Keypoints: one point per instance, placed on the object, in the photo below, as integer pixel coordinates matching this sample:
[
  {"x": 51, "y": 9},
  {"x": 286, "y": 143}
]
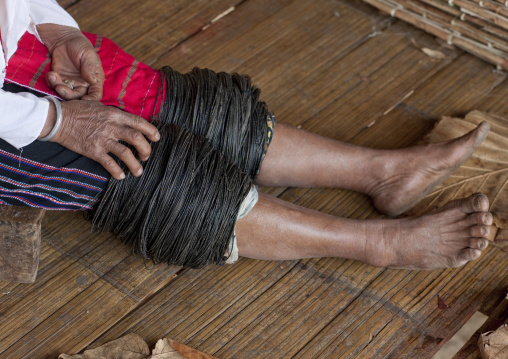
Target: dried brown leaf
[
  {"x": 130, "y": 346},
  {"x": 441, "y": 304},
  {"x": 435, "y": 54},
  {"x": 485, "y": 171},
  {"x": 494, "y": 345},
  {"x": 188, "y": 352},
  {"x": 164, "y": 350}
]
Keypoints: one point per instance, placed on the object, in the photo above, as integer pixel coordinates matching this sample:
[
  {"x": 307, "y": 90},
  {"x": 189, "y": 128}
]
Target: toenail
[
  {"x": 478, "y": 201},
  {"x": 488, "y": 219}
]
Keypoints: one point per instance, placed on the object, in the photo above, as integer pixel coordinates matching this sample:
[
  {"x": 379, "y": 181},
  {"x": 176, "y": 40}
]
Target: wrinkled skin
[
  {"x": 88, "y": 127},
  {"x": 94, "y": 130},
  {"x": 75, "y": 61}
]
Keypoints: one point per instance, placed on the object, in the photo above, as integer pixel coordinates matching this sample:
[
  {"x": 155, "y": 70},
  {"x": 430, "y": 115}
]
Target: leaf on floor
[
  {"x": 441, "y": 304},
  {"x": 435, "y": 54},
  {"x": 132, "y": 346},
  {"x": 485, "y": 171},
  {"x": 164, "y": 350},
  {"x": 188, "y": 352},
  {"x": 494, "y": 344}
]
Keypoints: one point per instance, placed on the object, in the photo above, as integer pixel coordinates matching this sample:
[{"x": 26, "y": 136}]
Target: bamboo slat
[
  {"x": 478, "y": 27},
  {"x": 147, "y": 30}
]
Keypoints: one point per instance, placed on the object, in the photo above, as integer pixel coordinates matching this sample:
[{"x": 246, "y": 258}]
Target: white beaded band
[
  {"x": 58, "y": 122},
  {"x": 246, "y": 205}
]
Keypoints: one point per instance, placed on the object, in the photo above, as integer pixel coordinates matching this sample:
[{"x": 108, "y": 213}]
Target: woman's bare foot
[
  {"x": 409, "y": 174},
  {"x": 451, "y": 236}
]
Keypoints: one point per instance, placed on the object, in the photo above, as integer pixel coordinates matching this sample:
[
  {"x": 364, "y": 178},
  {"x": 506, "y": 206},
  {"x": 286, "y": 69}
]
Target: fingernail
[
  {"x": 140, "y": 172},
  {"x": 157, "y": 136},
  {"x": 62, "y": 92},
  {"x": 52, "y": 78},
  {"x": 122, "y": 176}
]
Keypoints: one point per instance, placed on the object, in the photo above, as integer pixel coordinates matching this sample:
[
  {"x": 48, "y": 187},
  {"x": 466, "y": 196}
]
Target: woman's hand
[
  {"x": 76, "y": 69},
  {"x": 94, "y": 130}
]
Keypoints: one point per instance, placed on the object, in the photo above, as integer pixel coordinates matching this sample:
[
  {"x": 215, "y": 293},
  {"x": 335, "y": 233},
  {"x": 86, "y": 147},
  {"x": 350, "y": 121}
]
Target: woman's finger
[
  {"x": 110, "y": 165},
  {"x": 54, "y": 79},
  {"x": 69, "y": 93},
  {"x": 67, "y": 87},
  {"x": 126, "y": 156},
  {"x": 136, "y": 139},
  {"x": 94, "y": 93},
  {"x": 91, "y": 71},
  {"x": 140, "y": 124}
]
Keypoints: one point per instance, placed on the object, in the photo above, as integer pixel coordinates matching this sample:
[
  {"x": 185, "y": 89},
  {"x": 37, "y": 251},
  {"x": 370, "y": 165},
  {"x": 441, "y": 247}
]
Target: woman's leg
[
  {"x": 395, "y": 179},
  {"x": 448, "y": 237}
]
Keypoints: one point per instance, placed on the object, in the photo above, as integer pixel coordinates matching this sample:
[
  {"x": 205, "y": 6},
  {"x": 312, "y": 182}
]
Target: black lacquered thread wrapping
[
  {"x": 222, "y": 107},
  {"x": 183, "y": 209}
]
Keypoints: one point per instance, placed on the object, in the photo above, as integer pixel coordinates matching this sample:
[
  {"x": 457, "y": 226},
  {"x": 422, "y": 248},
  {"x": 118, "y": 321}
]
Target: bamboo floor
[{"x": 335, "y": 67}]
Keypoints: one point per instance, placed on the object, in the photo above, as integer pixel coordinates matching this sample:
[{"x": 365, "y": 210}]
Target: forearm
[
  {"x": 44, "y": 12},
  {"x": 53, "y": 35},
  {"x": 50, "y": 120},
  {"x": 22, "y": 117},
  {"x": 48, "y": 11}
]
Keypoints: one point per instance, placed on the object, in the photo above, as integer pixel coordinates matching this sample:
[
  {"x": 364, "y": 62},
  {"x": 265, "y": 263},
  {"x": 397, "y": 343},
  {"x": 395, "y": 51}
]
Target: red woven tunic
[{"x": 129, "y": 85}]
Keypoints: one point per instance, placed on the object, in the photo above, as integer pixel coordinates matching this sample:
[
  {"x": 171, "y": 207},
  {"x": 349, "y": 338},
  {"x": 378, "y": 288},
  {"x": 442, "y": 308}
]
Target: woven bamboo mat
[{"x": 479, "y": 27}]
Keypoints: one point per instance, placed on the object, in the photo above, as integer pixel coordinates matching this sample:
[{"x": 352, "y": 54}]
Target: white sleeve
[
  {"x": 22, "y": 117},
  {"x": 48, "y": 12}
]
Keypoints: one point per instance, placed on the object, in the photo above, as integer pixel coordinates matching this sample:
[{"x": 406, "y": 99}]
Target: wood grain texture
[
  {"x": 147, "y": 29},
  {"x": 20, "y": 243}
]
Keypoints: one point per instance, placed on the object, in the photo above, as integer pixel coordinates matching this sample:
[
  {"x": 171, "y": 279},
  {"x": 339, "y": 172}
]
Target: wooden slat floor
[{"x": 335, "y": 67}]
